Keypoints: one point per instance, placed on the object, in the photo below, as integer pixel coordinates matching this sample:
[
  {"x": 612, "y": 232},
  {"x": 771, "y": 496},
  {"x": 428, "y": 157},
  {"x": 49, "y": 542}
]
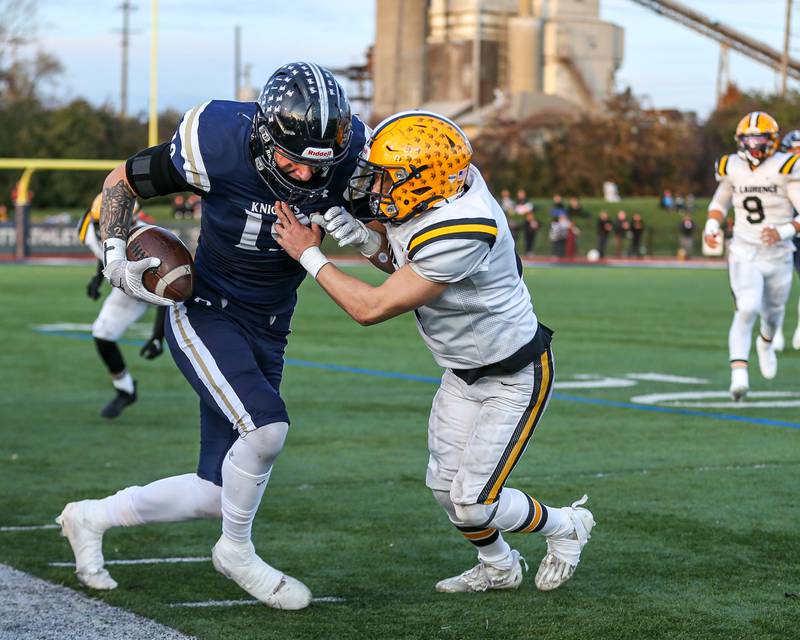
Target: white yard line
[
  {"x": 140, "y": 561},
  {"x": 31, "y": 527},
  {"x": 239, "y": 603}
]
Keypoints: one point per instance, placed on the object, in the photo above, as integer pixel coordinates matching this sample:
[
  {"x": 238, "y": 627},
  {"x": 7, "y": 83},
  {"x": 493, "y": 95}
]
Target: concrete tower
[{"x": 399, "y": 60}]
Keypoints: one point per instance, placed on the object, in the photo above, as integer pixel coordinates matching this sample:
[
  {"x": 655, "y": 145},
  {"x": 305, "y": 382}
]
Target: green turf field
[{"x": 697, "y": 513}]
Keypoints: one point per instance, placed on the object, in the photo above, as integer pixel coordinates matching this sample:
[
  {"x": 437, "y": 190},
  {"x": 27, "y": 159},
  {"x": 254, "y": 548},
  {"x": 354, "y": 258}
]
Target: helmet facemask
[
  {"x": 382, "y": 185},
  {"x": 755, "y": 148},
  {"x": 287, "y": 189}
]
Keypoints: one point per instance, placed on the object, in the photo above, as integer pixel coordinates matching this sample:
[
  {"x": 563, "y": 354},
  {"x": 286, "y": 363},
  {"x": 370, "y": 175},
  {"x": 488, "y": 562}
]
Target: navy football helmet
[
  {"x": 304, "y": 115},
  {"x": 791, "y": 142}
]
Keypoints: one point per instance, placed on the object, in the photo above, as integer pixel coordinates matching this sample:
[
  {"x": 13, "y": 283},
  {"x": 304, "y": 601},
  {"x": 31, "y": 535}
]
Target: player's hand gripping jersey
[
  {"x": 485, "y": 314},
  {"x": 761, "y": 197},
  {"x": 237, "y": 257}
]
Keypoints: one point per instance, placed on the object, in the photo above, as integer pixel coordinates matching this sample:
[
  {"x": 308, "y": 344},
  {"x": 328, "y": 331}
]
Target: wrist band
[
  {"x": 372, "y": 245},
  {"x": 712, "y": 227},
  {"x": 313, "y": 260},
  {"x": 113, "y": 250},
  {"x": 786, "y": 231}
]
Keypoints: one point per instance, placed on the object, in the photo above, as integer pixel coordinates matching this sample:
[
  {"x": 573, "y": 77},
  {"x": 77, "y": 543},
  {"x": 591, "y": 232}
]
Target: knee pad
[
  {"x": 255, "y": 451},
  {"x": 475, "y": 515},
  {"x": 747, "y": 313}
]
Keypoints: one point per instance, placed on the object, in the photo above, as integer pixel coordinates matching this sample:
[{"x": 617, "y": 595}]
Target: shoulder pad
[
  {"x": 483, "y": 229},
  {"x": 721, "y": 166},
  {"x": 83, "y": 226},
  {"x": 789, "y": 165}
]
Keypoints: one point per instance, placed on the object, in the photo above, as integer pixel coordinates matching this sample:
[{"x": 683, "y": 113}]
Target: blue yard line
[
  {"x": 726, "y": 417},
  {"x": 678, "y": 410}
]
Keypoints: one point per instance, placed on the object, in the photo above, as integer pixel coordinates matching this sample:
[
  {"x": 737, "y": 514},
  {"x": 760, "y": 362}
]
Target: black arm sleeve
[
  {"x": 158, "y": 325},
  {"x": 151, "y": 173}
]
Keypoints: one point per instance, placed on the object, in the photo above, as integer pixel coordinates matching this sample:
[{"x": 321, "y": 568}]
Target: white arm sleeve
[
  {"x": 793, "y": 193},
  {"x": 93, "y": 243},
  {"x": 722, "y": 197}
]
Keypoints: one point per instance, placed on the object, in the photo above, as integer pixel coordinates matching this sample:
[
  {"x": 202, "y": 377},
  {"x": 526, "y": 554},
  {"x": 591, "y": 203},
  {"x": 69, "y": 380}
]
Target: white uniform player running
[
  {"x": 448, "y": 247},
  {"x": 762, "y": 186},
  {"x": 119, "y": 311}
]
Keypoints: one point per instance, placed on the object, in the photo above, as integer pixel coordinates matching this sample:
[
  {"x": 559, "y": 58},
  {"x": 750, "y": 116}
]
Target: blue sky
[{"x": 670, "y": 64}]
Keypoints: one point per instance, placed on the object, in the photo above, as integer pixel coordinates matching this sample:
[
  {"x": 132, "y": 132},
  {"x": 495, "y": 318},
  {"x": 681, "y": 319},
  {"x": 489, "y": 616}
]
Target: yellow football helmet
[
  {"x": 757, "y": 137},
  {"x": 414, "y": 161}
]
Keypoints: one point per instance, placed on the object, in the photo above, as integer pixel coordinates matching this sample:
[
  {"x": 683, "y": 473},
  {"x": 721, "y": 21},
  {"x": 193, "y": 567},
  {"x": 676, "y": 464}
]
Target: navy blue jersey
[{"x": 237, "y": 256}]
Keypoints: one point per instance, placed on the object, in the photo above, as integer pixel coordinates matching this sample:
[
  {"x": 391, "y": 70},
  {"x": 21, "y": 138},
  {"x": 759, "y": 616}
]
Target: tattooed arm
[{"x": 116, "y": 211}]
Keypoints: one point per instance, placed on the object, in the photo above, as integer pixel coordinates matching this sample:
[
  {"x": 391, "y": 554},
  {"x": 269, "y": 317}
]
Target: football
[{"x": 174, "y": 277}]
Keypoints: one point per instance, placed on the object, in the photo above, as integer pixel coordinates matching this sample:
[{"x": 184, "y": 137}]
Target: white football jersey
[
  {"x": 759, "y": 196},
  {"x": 485, "y": 314}
]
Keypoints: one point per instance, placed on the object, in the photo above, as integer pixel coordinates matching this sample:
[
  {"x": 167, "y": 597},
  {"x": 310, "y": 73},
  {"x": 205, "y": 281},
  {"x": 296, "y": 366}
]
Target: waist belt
[{"x": 517, "y": 361}]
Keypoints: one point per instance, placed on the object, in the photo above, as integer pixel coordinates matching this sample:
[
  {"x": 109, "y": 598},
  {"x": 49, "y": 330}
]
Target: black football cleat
[{"x": 120, "y": 401}]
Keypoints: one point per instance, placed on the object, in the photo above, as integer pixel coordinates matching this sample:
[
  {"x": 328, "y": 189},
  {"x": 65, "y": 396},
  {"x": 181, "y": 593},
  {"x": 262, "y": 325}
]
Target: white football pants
[
  {"x": 760, "y": 289},
  {"x": 119, "y": 312},
  {"x": 478, "y": 432}
]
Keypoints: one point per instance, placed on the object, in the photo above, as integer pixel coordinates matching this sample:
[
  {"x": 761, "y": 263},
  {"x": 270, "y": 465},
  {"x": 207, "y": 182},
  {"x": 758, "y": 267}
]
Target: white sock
[
  {"x": 123, "y": 382},
  {"x": 497, "y": 554},
  {"x": 174, "y": 499},
  {"x": 241, "y": 495},
  {"x": 740, "y": 335},
  {"x": 558, "y": 522}
]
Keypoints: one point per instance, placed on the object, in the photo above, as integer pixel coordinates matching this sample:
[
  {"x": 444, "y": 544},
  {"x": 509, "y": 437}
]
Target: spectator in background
[
  {"x": 507, "y": 205},
  {"x": 686, "y": 236},
  {"x": 666, "y": 200},
  {"x": 193, "y": 206},
  {"x": 525, "y": 219},
  {"x": 572, "y": 239},
  {"x": 604, "y": 229},
  {"x": 680, "y": 204},
  {"x": 622, "y": 228},
  {"x": 557, "y": 208},
  {"x": 610, "y": 191},
  {"x": 179, "y": 206},
  {"x": 637, "y": 233},
  {"x": 559, "y": 230},
  {"x": 690, "y": 203},
  {"x": 575, "y": 211}
]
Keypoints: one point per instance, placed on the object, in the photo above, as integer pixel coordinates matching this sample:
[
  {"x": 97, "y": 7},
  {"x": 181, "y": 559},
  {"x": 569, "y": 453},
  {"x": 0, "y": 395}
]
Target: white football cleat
[
  {"x": 80, "y": 525},
  {"x": 239, "y": 562},
  {"x": 796, "y": 339},
  {"x": 483, "y": 577},
  {"x": 767, "y": 360},
  {"x": 564, "y": 551},
  {"x": 740, "y": 383},
  {"x": 778, "y": 341}
]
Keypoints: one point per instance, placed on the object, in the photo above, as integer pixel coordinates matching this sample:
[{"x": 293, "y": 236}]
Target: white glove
[
  {"x": 348, "y": 231},
  {"x": 712, "y": 227},
  {"x": 126, "y": 275}
]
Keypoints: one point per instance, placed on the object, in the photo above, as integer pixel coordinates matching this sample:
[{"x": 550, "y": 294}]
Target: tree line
[{"x": 644, "y": 151}]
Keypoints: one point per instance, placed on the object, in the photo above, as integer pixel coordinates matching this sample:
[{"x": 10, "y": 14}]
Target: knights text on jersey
[
  {"x": 237, "y": 256},
  {"x": 759, "y": 195},
  {"x": 485, "y": 314}
]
